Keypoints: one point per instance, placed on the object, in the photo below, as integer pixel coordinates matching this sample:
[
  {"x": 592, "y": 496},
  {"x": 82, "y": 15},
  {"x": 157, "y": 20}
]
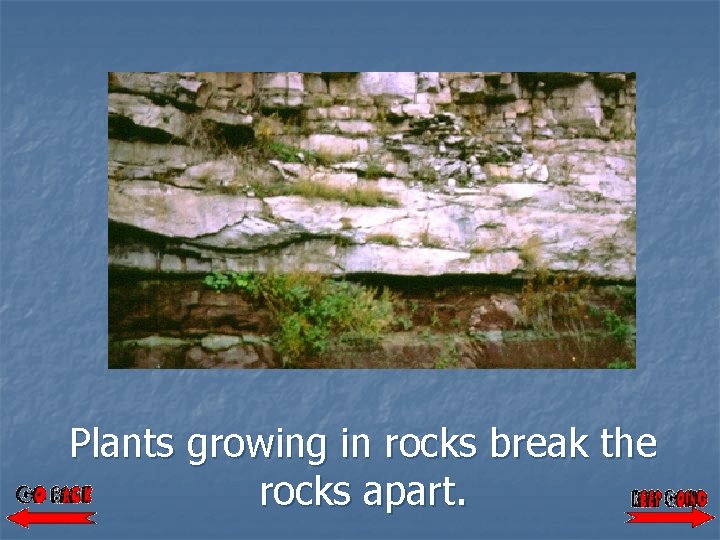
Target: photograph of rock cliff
[{"x": 431, "y": 220}]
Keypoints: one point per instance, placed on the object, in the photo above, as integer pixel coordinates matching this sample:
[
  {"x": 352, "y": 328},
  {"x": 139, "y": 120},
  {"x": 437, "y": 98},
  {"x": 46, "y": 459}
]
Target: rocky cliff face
[{"x": 417, "y": 173}]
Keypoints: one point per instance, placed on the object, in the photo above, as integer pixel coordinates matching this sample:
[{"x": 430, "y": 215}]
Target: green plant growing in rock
[
  {"x": 498, "y": 159},
  {"x": 583, "y": 256},
  {"x": 386, "y": 239},
  {"x": 627, "y": 297},
  {"x": 322, "y": 100},
  {"x": 474, "y": 120},
  {"x": 546, "y": 300},
  {"x": 201, "y": 136},
  {"x": 309, "y": 311},
  {"x": 404, "y": 322},
  {"x": 427, "y": 175},
  {"x": 326, "y": 157},
  {"x": 271, "y": 148},
  {"x": 631, "y": 222},
  {"x": 620, "y": 330},
  {"x": 449, "y": 358},
  {"x": 620, "y": 364},
  {"x": 267, "y": 128},
  {"x": 382, "y": 121},
  {"x": 217, "y": 281},
  {"x": 619, "y": 133},
  {"x": 564, "y": 171},
  {"x": 530, "y": 252},
  {"x": 558, "y": 304},
  {"x": 429, "y": 241},
  {"x": 561, "y": 305},
  {"x": 623, "y": 332},
  {"x": 345, "y": 223},
  {"x": 284, "y": 152},
  {"x": 374, "y": 170},
  {"x": 354, "y": 196}
]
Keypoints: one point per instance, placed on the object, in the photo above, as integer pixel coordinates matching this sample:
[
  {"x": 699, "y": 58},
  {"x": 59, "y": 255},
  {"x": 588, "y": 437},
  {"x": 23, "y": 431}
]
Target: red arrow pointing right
[
  {"x": 25, "y": 518},
  {"x": 695, "y": 516}
]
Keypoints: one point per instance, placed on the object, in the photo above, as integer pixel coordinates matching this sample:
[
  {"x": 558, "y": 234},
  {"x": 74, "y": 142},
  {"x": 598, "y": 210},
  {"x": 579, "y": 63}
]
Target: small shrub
[
  {"x": 434, "y": 319},
  {"x": 478, "y": 250},
  {"x": 310, "y": 310},
  {"x": 345, "y": 223}
]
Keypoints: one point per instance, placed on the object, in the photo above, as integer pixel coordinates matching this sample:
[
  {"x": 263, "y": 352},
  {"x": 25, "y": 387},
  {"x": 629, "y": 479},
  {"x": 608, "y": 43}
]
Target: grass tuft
[
  {"x": 354, "y": 196},
  {"x": 383, "y": 238}
]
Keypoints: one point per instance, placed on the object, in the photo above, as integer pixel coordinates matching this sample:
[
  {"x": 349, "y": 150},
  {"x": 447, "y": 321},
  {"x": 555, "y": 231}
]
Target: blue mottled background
[{"x": 55, "y": 57}]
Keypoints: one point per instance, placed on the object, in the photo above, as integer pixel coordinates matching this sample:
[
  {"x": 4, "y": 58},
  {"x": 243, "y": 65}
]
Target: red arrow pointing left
[{"x": 26, "y": 518}]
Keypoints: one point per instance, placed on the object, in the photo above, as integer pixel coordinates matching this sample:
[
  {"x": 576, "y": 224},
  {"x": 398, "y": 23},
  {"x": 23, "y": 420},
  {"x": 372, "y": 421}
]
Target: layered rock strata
[{"x": 488, "y": 173}]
